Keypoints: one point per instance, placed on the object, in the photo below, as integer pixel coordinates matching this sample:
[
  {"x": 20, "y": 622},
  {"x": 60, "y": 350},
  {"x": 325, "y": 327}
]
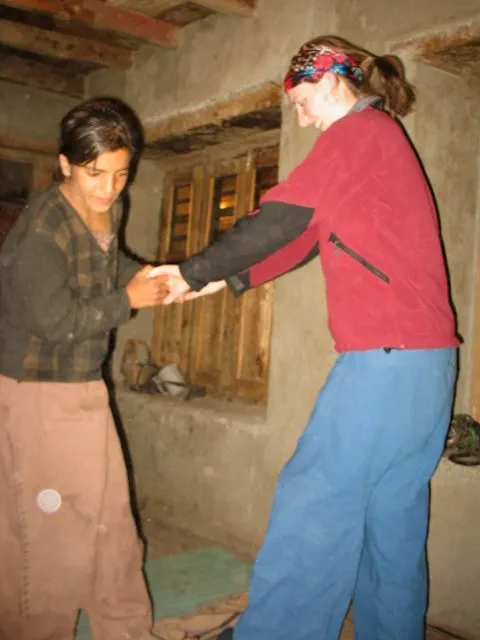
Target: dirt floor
[{"x": 163, "y": 540}]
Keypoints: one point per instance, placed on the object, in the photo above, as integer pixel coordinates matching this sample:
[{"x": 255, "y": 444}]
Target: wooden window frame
[{"x": 235, "y": 362}]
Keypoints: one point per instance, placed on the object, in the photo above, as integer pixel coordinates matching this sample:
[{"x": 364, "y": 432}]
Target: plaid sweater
[{"x": 60, "y": 294}]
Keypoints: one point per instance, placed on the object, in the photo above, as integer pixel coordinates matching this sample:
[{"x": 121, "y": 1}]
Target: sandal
[{"x": 463, "y": 441}]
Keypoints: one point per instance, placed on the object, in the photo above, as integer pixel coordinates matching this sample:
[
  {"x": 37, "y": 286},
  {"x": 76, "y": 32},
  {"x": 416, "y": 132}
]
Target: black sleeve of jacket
[
  {"x": 240, "y": 282},
  {"x": 249, "y": 241}
]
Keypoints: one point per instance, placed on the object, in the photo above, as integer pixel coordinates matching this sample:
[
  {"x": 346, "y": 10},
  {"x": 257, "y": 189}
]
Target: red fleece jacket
[{"x": 376, "y": 226}]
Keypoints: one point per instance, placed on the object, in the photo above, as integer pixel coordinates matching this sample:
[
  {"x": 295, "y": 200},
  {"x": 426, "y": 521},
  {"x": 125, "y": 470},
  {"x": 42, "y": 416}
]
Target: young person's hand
[
  {"x": 144, "y": 291},
  {"x": 177, "y": 286}
]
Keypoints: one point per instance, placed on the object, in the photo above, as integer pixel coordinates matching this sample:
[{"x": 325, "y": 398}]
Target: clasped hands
[
  {"x": 176, "y": 288},
  {"x": 152, "y": 286}
]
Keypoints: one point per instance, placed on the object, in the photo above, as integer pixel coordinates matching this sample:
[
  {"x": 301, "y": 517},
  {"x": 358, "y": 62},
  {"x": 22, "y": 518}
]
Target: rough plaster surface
[
  {"x": 454, "y": 560},
  {"x": 222, "y": 55},
  {"x": 26, "y": 112},
  {"x": 378, "y": 22},
  {"x": 213, "y": 469},
  {"x": 107, "y": 82},
  {"x": 200, "y": 465},
  {"x": 447, "y": 131}
]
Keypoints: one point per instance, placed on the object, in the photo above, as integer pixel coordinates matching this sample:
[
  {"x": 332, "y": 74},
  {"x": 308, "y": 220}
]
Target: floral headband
[{"x": 314, "y": 60}]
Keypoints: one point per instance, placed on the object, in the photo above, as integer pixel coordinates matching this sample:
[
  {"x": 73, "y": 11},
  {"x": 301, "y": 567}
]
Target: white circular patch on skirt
[{"x": 49, "y": 500}]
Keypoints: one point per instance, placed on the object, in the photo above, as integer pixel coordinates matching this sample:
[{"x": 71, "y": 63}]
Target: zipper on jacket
[{"x": 353, "y": 254}]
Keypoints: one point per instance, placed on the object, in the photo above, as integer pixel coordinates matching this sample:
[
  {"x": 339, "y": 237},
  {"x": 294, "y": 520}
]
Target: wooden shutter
[
  {"x": 254, "y": 309},
  {"x": 232, "y": 336},
  {"x": 220, "y": 342},
  {"x": 173, "y": 324},
  {"x": 213, "y": 362}
]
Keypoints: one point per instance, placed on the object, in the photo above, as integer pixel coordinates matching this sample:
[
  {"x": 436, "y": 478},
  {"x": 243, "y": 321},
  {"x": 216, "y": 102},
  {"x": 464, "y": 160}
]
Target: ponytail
[{"x": 384, "y": 76}]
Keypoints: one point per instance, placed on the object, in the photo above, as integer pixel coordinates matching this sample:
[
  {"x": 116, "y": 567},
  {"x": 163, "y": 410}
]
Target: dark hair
[
  {"x": 383, "y": 76},
  {"x": 99, "y": 125}
]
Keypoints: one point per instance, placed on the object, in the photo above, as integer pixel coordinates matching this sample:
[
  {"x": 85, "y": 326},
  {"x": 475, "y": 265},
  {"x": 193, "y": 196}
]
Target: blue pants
[{"x": 350, "y": 515}]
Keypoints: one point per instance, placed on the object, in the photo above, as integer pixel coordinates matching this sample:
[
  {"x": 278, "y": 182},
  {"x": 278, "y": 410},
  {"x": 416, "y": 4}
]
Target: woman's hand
[
  {"x": 212, "y": 287},
  {"x": 144, "y": 291}
]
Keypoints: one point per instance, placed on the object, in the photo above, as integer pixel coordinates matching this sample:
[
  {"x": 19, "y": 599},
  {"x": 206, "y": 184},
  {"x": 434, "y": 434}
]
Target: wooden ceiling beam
[
  {"x": 234, "y": 7},
  {"x": 147, "y": 7},
  {"x": 102, "y": 15},
  {"x": 39, "y": 75},
  {"x": 264, "y": 97},
  {"x": 45, "y": 147},
  {"x": 62, "y": 46}
]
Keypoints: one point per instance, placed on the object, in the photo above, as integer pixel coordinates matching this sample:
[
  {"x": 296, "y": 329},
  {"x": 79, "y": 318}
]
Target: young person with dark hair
[
  {"x": 67, "y": 536},
  {"x": 350, "y": 514}
]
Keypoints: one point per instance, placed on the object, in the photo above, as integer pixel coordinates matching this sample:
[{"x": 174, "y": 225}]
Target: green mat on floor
[{"x": 179, "y": 584}]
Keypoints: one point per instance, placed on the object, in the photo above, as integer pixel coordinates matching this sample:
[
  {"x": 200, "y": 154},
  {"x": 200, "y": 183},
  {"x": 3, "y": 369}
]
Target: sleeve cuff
[
  {"x": 191, "y": 271},
  {"x": 125, "y": 309},
  {"x": 239, "y": 283}
]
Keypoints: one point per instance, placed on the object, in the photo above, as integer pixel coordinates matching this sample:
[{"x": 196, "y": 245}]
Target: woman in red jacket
[{"x": 350, "y": 515}]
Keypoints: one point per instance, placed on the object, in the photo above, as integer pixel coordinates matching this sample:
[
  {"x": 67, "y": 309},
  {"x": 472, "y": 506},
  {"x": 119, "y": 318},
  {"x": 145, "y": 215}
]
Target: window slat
[{"x": 221, "y": 342}]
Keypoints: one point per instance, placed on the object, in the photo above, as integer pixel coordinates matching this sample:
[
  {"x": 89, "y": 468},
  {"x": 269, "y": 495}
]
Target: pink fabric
[
  {"x": 103, "y": 239},
  {"x": 67, "y": 535}
]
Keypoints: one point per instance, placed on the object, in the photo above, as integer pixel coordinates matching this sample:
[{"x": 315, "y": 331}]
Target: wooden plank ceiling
[
  {"x": 55, "y": 44},
  {"x": 455, "y": 49},
  {"x": 231, "y": 121}
]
